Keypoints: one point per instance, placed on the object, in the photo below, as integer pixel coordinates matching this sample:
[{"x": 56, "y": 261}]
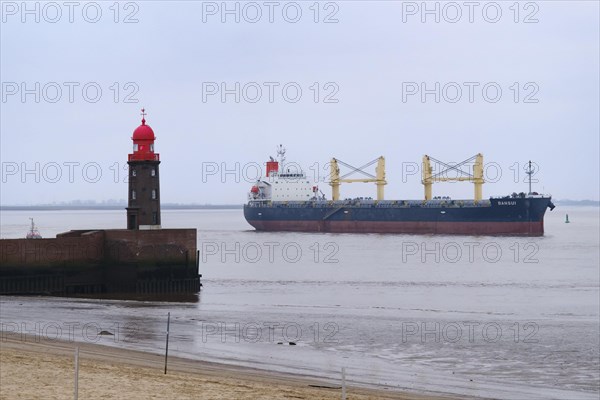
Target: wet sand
[{"x": 45, "y": 370}]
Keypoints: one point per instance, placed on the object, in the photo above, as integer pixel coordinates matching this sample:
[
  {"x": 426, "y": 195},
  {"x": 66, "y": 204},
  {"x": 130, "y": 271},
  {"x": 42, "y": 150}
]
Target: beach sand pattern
[{"x": 45, "y": 370}]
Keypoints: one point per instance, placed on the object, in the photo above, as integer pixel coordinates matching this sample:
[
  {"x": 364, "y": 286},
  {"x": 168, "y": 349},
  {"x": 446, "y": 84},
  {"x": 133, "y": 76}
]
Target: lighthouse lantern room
[{"x": 143, "y": 207}]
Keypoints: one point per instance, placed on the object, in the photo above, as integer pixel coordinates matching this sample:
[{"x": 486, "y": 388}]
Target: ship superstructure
[{"x": 283, "y": 183}]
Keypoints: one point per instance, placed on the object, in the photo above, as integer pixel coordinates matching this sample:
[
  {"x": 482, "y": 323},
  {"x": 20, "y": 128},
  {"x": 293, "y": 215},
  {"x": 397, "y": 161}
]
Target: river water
[{"x": 501, "y": 317}]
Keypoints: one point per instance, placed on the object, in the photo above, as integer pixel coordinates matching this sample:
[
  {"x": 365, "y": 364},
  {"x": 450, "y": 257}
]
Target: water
[{"x": 500, "y": 317}]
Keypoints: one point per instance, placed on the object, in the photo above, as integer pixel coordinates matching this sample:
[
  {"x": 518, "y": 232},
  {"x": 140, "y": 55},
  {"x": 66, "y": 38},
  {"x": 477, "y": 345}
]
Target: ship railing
[
  {"x": 143, "y": 157},
  {"x": 259, "y": 203},
  {"x": 437, "y": 203},
  {"x": 523, "y": 196}
]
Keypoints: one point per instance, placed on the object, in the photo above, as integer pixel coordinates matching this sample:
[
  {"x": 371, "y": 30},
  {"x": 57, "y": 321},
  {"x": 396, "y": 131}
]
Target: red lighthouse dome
[
  {"x": 143, "y": 142},
  {"x": 143, "y": 132}
]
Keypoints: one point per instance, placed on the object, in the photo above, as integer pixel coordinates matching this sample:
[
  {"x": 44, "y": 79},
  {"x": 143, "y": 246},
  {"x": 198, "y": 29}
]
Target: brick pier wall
[{"x": 101, "y": 261}]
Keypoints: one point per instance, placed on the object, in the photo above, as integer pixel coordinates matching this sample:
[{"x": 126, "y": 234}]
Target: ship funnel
[{"x": 272, "y": 168}]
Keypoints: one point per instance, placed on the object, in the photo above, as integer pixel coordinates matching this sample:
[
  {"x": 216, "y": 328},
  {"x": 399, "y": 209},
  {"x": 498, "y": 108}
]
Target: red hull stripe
[{"x": 444, "y": 228}]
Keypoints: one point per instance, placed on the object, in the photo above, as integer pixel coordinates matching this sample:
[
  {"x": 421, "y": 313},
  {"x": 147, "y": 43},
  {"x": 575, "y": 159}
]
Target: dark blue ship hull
[{"x": 497, "y": 216}]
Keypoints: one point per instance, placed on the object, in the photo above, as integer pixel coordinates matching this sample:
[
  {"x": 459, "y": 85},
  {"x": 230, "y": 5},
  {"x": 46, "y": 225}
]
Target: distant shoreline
[
  {"x": 71, "y": 207},
  {"x": 583, "y": 203},
  {"x": 118, "y": 207}
]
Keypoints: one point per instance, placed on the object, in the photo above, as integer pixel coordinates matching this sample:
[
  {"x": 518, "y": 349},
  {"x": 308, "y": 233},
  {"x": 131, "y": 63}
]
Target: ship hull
[{"x": 518, "y": 217}]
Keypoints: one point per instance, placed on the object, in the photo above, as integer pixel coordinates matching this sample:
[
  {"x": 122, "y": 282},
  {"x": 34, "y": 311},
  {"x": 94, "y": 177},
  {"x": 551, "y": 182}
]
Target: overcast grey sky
[{"x": 361, "y": 69}]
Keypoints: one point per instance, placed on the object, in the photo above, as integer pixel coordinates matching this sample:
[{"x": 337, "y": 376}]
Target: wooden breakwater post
[
  {"x": 76, "y": 383},
  {"x": 167, "y": 345},
  {"x": 343, "y": 383}
]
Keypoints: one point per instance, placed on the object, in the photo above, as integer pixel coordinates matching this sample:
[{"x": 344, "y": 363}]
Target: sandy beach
[{"x": 45, "y": 370}]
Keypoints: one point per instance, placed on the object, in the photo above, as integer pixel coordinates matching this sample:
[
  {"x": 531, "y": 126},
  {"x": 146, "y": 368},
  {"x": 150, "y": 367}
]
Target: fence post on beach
[
  {"x": 76, "y": 390},
  {"x": 167, "y": 346},
  {"x": 343, "y": 383}
]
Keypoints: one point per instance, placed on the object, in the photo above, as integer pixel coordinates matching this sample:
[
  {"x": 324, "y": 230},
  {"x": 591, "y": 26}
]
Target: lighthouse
[{"x": 143, "y": 206}]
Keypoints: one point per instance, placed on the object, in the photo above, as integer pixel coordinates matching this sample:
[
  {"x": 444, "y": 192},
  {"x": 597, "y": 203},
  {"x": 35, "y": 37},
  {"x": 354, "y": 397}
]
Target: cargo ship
[{"x": 285, "y": 200}]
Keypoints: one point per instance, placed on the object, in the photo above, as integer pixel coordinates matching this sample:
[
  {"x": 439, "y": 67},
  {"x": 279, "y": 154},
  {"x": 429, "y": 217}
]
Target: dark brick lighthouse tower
[{"x": 143, "y": 207}]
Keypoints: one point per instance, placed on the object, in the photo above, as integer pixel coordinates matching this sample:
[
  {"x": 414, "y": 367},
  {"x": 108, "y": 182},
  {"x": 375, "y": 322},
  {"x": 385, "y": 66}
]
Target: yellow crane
[
  {"x": 476, "y": 177},
  {"x": 378, "y": 178}
]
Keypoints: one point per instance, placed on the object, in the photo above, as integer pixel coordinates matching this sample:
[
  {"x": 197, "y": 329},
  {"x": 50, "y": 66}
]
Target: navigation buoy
[{"x": 567, "y": 219}]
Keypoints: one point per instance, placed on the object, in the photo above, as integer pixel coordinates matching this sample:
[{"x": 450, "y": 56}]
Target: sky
[{"x": 224, "y": 83}]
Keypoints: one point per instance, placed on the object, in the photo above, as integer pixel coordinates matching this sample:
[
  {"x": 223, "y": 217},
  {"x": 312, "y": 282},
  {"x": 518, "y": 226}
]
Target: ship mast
[
  {"x": 529, "y": 172},
  {"x": 33, "y": 232},
  {"x": 281, "y": 156}
]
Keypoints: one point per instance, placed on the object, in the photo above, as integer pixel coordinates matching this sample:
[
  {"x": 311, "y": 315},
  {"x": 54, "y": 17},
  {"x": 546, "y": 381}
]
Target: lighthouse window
[
  {"x": 152, "y": 147},
  {"x": 153, "y": 172},
  {"x": 133, "y": 172},
  {"x": 153, "y": 194},
  {"x": 133, "y": 195}
]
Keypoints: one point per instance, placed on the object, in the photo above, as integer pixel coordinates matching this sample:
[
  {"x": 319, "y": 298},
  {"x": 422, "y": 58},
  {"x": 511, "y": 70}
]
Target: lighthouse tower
[{"x": 143, "y": 207}]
